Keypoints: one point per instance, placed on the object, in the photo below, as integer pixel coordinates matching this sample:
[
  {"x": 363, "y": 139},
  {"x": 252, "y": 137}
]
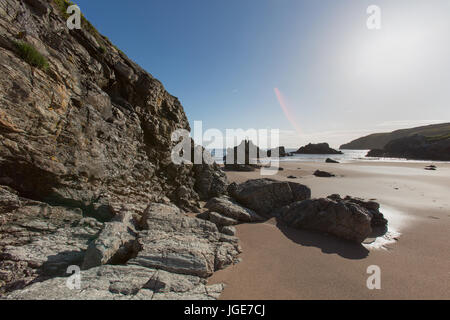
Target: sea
[{"x": 346, "y": 157}]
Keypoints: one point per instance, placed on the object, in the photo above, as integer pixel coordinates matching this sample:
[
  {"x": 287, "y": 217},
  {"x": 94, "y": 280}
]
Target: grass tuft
[{"x": 30, "y": 54}]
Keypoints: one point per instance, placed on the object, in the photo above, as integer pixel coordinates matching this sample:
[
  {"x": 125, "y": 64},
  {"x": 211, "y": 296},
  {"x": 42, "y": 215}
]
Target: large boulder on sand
[
  {"x": 266, "y": 195},
  {"x": 348, "y": 218},
  {"x": 373, "y": 208}
]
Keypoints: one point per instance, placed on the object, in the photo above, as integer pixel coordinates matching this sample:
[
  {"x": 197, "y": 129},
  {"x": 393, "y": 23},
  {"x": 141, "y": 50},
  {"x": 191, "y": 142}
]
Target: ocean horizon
[{"x": 346, "y": 157}]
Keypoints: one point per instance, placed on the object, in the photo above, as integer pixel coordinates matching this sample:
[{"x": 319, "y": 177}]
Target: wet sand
[{"x": 285, "y": 263}]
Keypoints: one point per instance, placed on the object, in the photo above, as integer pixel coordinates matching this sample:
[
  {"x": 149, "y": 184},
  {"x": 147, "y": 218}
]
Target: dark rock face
[
  {"x": 266, "y": 195},
  {"x": 323, "y": 174},
  {"x": 95, "y": 129},
  {"x": 349, "y": 218},
  {"x": 319, "y": 148},
  {"x": 416, "y": 147},
  {"x": 329, "y": 160}
]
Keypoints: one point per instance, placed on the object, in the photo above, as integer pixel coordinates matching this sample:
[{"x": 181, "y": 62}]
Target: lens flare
[{"x": 287, "y": 111}]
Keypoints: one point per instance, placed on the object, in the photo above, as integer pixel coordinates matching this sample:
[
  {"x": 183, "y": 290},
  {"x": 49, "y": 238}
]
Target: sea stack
[{"x": 318, "y": 148}]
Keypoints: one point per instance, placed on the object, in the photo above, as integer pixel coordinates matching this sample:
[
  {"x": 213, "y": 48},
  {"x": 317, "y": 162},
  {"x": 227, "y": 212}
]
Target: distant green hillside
[{"x": 379, "y": 140}]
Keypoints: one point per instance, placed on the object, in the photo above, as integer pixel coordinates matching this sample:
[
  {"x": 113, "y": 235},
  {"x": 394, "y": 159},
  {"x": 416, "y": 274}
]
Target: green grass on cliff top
[
  {"x": 85, "y": 24},
  {"x": 64, "y": 4}
]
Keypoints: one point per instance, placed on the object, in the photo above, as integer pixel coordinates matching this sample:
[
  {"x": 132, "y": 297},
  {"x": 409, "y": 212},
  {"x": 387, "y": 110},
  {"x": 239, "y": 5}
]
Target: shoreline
[{"x": 279, "y": 262}]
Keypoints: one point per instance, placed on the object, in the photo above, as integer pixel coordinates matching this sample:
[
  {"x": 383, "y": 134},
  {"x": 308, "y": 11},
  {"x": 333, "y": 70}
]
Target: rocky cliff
[
  {"x": 92, "y": 130},
  {"x": 85, "y": 133},
  {"x": 380, "y": 140},
  {"x": 416, "y": 147}
]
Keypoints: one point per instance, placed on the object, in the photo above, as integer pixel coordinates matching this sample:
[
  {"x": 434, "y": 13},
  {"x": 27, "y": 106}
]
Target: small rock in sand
[{"x": 323, "y": 174}]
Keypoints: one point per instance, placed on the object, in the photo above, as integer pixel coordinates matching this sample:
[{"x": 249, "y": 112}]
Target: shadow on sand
[{"x": 327, "y": 243}]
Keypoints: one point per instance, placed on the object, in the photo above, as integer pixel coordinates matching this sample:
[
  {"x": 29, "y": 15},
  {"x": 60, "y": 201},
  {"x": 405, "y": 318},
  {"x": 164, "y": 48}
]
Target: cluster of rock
[
  {"x": 160, "y": 254},
  {"x": 318, "y": 148},
  {"x": 245, "y": 157},
  {"x": 417, "y": 147},
  {"x": 349, "y": 218}
]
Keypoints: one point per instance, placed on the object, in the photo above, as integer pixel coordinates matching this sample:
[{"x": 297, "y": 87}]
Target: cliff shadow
[{"x": 327, "y": 243}]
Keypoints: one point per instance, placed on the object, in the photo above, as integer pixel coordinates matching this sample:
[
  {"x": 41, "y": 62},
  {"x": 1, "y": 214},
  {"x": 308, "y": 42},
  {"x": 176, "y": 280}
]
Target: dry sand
[{"x": 284, "y": 263}]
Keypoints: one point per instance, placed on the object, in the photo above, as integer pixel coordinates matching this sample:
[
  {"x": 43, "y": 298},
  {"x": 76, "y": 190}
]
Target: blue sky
[{"x": 223, "y": 59}]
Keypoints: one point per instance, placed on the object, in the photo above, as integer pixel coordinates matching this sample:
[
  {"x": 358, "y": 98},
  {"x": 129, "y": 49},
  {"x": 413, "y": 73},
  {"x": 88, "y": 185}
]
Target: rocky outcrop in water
[
  {"x": 277, "y": 152},
  {"x": 319, "y": 148},
  {"x": 243, "y": 157}
]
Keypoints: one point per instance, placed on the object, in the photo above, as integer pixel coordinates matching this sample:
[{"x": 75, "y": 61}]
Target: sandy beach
[{"x": 279, "y": 262}]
